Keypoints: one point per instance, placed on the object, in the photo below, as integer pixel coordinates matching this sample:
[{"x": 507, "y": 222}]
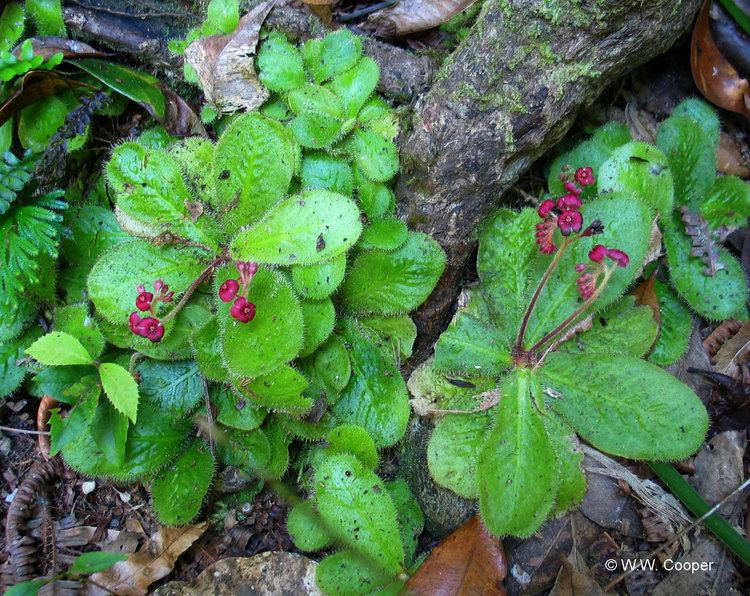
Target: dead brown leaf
[
  {"x": 153, "y": 561},
  {"x": 411, "y": 16},
  {"x": 714, "y": 76},
  {"x": 574, "y": 579},
  {"x": 719, "y": 336},
  {"x": 645, "y": 295},
  {"x": 71, "y": 48},
  {"x": 225, "y": 66},
  {"x": 469, "y": 561},
  {"x": 734, "y": 352},
  {"x": 730, "y": 159}
]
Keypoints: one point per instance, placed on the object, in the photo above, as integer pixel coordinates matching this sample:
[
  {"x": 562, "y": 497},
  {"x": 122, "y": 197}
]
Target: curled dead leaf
[
  {"x": 71, "y": 48},
  {"x": 714, "y": 76},
  {"x": 469, "y": 561},
  {"x": 719, "y": 336},
  {"x": 153, "y": 561},
  {"x": 734, "y": 353},
  {"x": 225, "y": 65},
  {"x": 645, "y": 294},
  {"x": 411, "y": 16}
]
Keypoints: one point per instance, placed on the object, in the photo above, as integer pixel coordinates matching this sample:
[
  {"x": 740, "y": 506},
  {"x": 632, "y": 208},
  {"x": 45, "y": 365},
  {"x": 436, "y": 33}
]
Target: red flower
[
  {"x": 228, "y": 290},
  {"x": 545, "y": 208},
  {"x": 598, "y": 253},
  {"x": 585, "y": 176},
  {"x": 544, "y": 236},
  {"x": 150, "y": 328},
  {"x": 242, "y": 310},
  {"x": 568, "y": 202},
  {"x": 586, "y": 285},
  {"x": 572, "y": 188},
  {"x": 570, "y": 221},
  {"x": 134, "y": 320},
  {"x": 143, "y": 301},
  {"x": 618, "y": 256}
]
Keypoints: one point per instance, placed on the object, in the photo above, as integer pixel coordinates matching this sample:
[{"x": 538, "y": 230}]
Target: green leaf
[
  {"x": 206, "y": 343},
  {"x": 641, "y": 169},
  {"x": 14, "y": 174},
  {"x": 433, "y": 389},
  {"x": 109, "y": 429},
  {"x": 410, "y": 516},
  {"x": 674, "y": 329},
  {"x": 315, "y": 130},
  {"x": 194, "y": 156},
  {"x": 54, "y": 381},
  {"x": 398, "y": 330},
  {"x": 320, "y": 317},
  {"x": 375, "y": 155},
  {"x": 623, "y": 328},
  {"x": 315, "y": 99},
  {"x": 58, "y": 349},
  {"x": 173, "y": 387},
  {"x": 27, "y": 588},
  {"x": 137, "y": 85},
  {"x": 278, "y": 441},
  {"x": 316, "y": 282},
  {"x": 152, "y": 197},
  {"x": 113, "y": 279},
  {"x": 354, "y": 440},
  {"x": 453, "y": 451},
  {"x": 65, "y": 431},
  {"x": 273, "y": 337},
  {"x": 346, "y": 573},
  {"x": 517, "y": 470},
  {"x": 394, "y": 282},
  {"x": 375, "y": 198},
  {"x": 377, "y": 116},
  {"x": 376, "y": 396},
  {"x": 248, "y": 451},
  {"x": 280, "y": 390},
  {"x": 121, "y": 389},
  {"x": 717, "y": 297},
  {"x": 354, "y": 504},
  {"x": 386, "y": 234},
  {"x": 336, "y": 53},
  {"x": 323, "y": 172},
  {"x": 703, "y": 114},
  {"x": 253, "y": 166},
  {"x": 12, "y": 373},
  {"x": 153, "y": 441},
  {"x": 332, "y": 363},
  {"x": 235, "y": 411},
  {"x": 280, "y": 65},
  {"x": 305, "y": 229},
  {"x": 47, "y": 16},
  {"x": 691, "y": 158},
  {"x": 41, "y": 120},
  {"x": 355, "y": 86},
  {"x": 727, "y": 202},
  {"x": 11, "y": 25},
  {"x": 473, "y": 344},
  {"x": 306, "y": 528},
  {"x": 650, "y": 415},
  {"x": 222, "y": 16},
  {"x": 88, "y": 563},
  {"x": 178, "y": 491},
  {"x": 76, "y": 321},
  {"x": 572, "y": 487}
]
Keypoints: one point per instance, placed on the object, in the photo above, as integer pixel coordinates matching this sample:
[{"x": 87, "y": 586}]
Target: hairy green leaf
[
  {"x": 727, "y": 202},
  {"x": 355, "y": 440},
  {"x": 674, "y": 329},
  {"x": 306, "y": 528},
  {"x": 319, "y": 281},
  {"x": 173, "y": 387}
]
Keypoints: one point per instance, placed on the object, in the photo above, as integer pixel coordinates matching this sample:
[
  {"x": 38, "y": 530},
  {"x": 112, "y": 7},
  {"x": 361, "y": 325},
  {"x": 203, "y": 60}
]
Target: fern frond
[
  {"x": 14, "y": 174},
  {"x": 29, "y": 237}
]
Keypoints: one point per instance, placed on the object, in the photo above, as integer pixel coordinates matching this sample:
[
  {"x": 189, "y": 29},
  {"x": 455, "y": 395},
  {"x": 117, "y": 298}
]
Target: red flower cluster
[
  {"x": 149, "y": 327},
  {"x": 590, "y": 274},
  {"x": 242, "y": 310},
  {"x": 564, "y": 213}
]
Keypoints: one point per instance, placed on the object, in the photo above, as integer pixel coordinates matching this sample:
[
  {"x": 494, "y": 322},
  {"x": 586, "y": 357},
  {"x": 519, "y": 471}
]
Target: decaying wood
[{"x": 506, "y": 95}]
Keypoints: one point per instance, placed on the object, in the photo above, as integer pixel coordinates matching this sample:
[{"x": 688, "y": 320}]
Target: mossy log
[{"x": 507, "y": 94}]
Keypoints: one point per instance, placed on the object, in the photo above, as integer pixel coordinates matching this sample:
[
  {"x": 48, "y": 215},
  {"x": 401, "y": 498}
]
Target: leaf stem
[
  {"x": 576, "y": 313},
  {"x": 205, "y": 274},
  {"x": 535, "y": 298},
  {"x": 22, "y": 431}
]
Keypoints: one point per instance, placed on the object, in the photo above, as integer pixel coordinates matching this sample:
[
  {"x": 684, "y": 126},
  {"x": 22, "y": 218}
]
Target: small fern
[
  {"x": 29, "y": 236},
  {"x": 14, "y": 174}
]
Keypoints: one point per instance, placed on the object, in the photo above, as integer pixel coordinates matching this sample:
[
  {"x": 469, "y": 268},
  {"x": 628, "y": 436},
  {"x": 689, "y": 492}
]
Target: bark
[{"x": 506, "y": 95}]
